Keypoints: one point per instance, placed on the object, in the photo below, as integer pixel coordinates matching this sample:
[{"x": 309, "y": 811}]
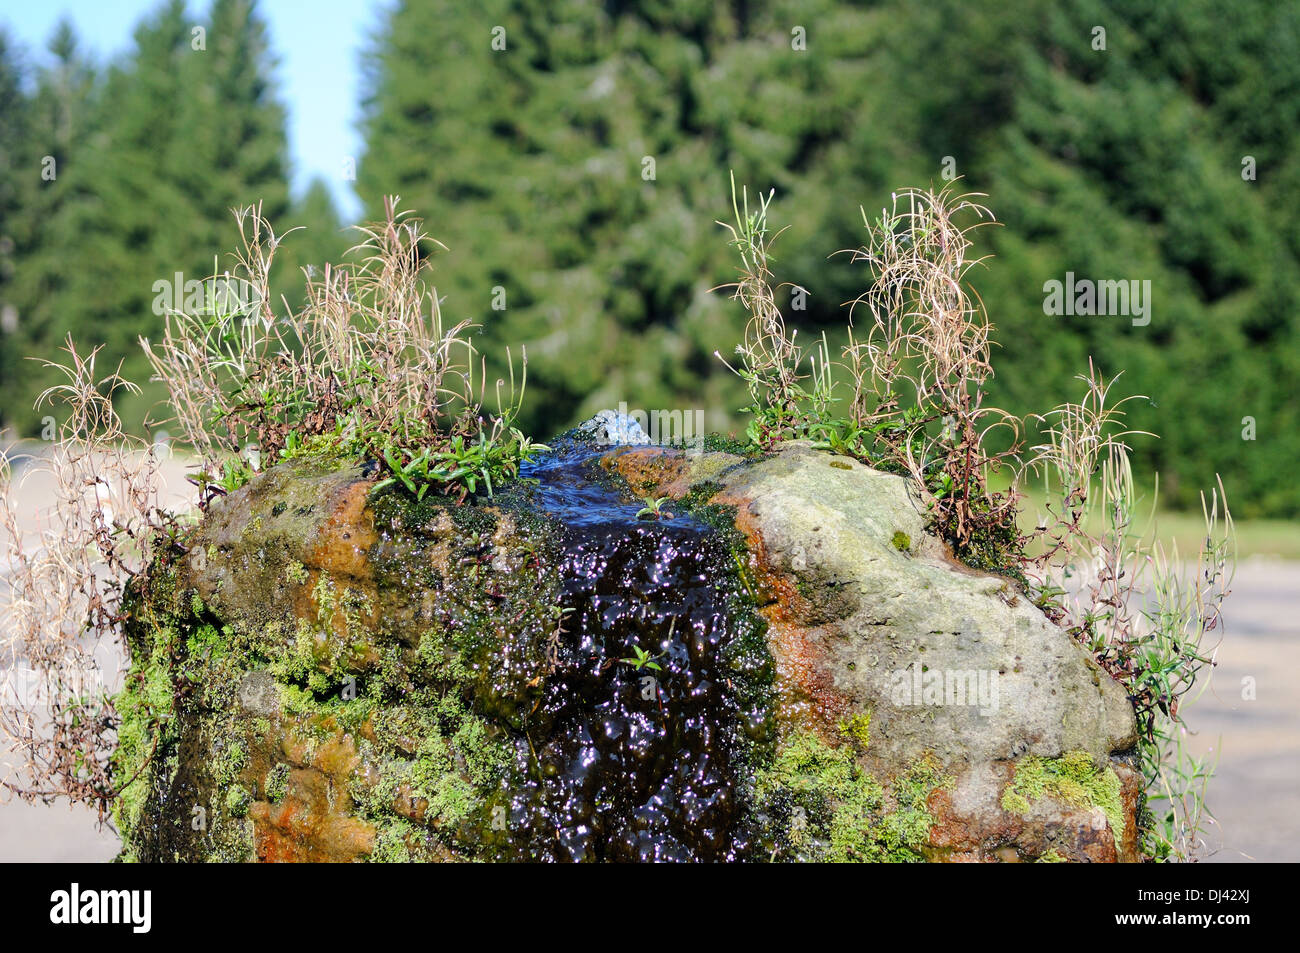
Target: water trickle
[{"x": 629, "y": 762}]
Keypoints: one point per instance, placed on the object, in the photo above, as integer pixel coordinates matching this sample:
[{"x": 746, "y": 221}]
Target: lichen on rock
[{"x": 817, "y": 803}]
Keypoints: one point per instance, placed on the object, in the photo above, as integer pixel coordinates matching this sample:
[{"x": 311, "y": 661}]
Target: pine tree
[
  {"x": 522, "y": 129},
  {"x": 15, "y": 153},
  {"x": 60, "y": 115},
  {"x": 187, "y": 128},
  {"x": 574, "y": 158}
]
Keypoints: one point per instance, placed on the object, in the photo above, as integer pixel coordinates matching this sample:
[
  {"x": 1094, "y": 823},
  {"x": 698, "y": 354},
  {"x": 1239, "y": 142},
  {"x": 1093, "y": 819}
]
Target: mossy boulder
[
  {"x": 301, "y": 675},
  {"x": 326, "y": 671},
  {"x": 871, "y": 618}
]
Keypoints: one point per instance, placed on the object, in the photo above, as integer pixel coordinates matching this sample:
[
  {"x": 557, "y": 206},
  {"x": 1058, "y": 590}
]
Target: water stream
[{"x": 641, "y": 763}]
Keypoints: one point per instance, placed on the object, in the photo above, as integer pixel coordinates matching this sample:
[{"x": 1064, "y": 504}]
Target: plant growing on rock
[
  {"x": 770, "y": 358},
  {"x": 917, "y": 378},
  {"x": 641, "y": 659},
  {"x": 367, "y": 368},
  {"x": 917, "y": 375},
  {"x": 654, "y": 509},
  {"x": 1144, "y": 612}
]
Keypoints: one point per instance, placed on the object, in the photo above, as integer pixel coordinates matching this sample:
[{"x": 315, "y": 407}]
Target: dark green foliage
[
  {"x": 534, "y": 157},
  {"x": 150, "y": 155},
  {"x": 1123, "y": 163},
  {"x": 530, "y": 163}
]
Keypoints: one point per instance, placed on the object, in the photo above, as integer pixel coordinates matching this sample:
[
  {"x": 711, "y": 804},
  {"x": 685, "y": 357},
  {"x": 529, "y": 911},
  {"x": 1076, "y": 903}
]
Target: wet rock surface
[
  {"x": 561, "y": 672},
  {"x": 860, "y": 593}
]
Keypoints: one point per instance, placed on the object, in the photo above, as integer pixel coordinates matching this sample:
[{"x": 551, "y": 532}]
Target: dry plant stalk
[
  {"x": 1143, "y": 612},
  {"x": 63, "y": 599},
  {"x": 770, "y": 356},
  {"x": 1080, "y": 440},
  {"x": 368, "y": 353},
  {"x": 926, "y": 332}
]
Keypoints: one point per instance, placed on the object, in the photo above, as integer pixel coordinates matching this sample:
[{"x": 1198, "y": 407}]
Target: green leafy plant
[
  {"x": 234, "y": 474},
  {"x": 653, "y": 509},
  {"x": 642, "y": 659}
]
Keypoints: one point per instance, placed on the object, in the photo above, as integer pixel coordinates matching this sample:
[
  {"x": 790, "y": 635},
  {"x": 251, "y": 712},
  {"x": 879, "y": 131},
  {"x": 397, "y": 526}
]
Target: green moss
[
  {"x": 902, "y": 542},
  {"x": 326, "y": 602},
  {"x": 1050, "y": 856},
  {"x": 319, "y": 656},
  {"x": 474, "y": 519},
  {"x": 299, "y": 662},
  {"x": 990, "y": 546},
  {"x": 816, "y": 803},
  {"x": 1074, "y": 779},
  {"x": 296, "y": 572},
  {"x": 181, "y": 685},
  {"x": 456, "y": 761},
  {"x": 229, "y": 760},
  {"x": 1015, "y": 802},
  {"x": 393, "y": 842},
  {"x": 857, "y": 727},
  {"x": 277, "y": 783},
  {"x": 440, "y": 763},
  {"x": 326, "y": 448},
  {"x": 145, "y": 706},
  {"x": 433, "y": 757},
  {"x": 717, "y": 443},
  {"x": 238, "y": 800},
  {"x": 205, "y": 643}
]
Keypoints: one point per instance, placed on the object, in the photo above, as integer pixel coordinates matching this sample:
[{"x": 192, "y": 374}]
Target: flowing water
[{"x": 641, "y": 760}]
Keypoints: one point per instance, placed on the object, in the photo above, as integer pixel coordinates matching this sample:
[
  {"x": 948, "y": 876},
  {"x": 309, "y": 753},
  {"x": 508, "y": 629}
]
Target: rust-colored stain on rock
[
  {"x": 340, "y": 554},
  {"x": 805, "y": 684},
  {"x": 985, "y": 834},
  {"x": 311, "y": 824},
  {"x": 661, "y": 471},
  {"x": 347, "y": 534}
]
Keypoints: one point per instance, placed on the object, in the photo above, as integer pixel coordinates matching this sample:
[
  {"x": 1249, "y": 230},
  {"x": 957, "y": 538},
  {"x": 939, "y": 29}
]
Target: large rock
[
  {"x": 324, "y": 672},
  {"x": 873, "y": 621}
]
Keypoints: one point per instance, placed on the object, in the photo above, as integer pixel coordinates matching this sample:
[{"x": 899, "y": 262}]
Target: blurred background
[{"x": 575, "y": 155}]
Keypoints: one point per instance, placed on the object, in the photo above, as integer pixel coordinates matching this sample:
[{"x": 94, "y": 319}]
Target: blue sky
[{"x": 317, "y": 43}]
